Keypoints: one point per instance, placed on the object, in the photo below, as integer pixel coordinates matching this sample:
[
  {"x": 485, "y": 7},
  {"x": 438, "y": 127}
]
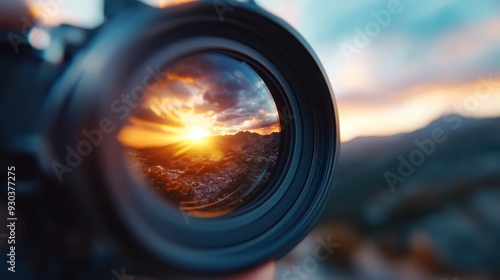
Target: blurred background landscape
[{"x": 407, "y": 73}]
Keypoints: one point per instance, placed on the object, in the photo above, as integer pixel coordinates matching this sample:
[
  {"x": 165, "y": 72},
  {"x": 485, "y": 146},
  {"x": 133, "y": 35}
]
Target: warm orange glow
[
  {"x": 197, "y": 134},
  {"x": 207, "y": 136},
  {"x": 166, "y": 3},
  {"x": 199, "y": 98},
  {"x": 415, "y": 107},
  {"x": 40, "y": 14},
  {"x": 179, "y": 78}
]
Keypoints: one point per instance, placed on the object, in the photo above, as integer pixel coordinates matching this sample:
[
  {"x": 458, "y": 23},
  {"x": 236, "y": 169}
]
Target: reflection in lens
[{"x": 206, "y": 136}]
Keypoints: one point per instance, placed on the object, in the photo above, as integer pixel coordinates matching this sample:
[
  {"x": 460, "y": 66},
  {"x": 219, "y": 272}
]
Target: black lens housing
[{"x": 154, "y": 235}]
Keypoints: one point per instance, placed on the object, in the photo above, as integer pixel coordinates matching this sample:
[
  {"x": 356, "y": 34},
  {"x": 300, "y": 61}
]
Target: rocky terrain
[{"x": 213, "y": 174}]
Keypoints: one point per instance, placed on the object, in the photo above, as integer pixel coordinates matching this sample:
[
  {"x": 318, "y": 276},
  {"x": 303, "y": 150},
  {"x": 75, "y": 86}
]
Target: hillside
[
  {"x": 448, "y": 191},
  {"x": 209, "y": 175}
]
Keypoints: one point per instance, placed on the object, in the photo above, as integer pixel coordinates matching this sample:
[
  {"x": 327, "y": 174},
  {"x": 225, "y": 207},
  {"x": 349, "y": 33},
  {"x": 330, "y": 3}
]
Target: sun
[{"x": 197, "y": 134}]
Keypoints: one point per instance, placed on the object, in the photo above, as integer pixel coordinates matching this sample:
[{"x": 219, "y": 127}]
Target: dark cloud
[
  {"x": 220, "y": 101},
  {"x": 263, "y": 123},
  {"x": 197, "y": 66},
  {"x": 225, "y": 117},
  {"x": 146, "y": 114},
  {"x": 217, "y": 85},
  {"x": 234, "y": 91},
  {"x": 174, "y": 88}
]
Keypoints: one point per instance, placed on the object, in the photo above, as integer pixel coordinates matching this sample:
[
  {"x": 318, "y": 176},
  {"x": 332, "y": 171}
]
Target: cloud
[
  {"x": 394, "y": 64},
  {"x": 154, "y": 116},
  {"x": 175, "y": 89},
  {"x": 219, "y": 101},
  {"x": 263, "y": 124},
  {"x": 213, "y": 90}
]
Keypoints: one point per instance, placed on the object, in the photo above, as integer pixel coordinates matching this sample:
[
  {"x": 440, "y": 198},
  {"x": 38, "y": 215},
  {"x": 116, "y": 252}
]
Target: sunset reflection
[{"x": 207, "y": 136}]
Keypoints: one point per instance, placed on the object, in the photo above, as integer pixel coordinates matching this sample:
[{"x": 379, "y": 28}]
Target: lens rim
[
  {"x": 237, "y": 52},
  {"x": 204, "y": 246},
  {"x": 223, "y": 225}
]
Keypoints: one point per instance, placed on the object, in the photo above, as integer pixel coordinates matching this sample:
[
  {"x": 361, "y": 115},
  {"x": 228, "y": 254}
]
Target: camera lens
[
  {"x": 207, "y": 135},
  {"x": 230, "y": 120}
]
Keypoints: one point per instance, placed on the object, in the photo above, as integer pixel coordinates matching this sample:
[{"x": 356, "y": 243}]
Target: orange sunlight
[
  {"x": 166, "y": 3},
  {"x": 141, "y": 134},
  {"x": 415, "y": 107},
  {"x": 190, "y": 106},
  {"x": 197, "y": 134}
]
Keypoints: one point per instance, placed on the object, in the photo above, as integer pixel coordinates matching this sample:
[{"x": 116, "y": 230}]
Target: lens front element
[{"x": 207, "y": 136}]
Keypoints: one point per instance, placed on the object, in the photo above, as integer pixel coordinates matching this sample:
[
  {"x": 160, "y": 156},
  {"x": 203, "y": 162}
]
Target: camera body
[{"x": 80, "y": 211}]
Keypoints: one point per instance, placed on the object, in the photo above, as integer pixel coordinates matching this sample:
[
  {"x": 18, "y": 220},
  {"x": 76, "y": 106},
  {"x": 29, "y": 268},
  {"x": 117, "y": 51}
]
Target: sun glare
[{"x": 197, "y": 134}]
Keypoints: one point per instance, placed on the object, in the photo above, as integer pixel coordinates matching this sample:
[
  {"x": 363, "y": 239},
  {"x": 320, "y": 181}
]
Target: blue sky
[{"x": 428, "y": 58}]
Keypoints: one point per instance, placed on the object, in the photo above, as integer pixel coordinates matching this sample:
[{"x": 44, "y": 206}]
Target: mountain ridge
[{"x": 471, "y": 153}]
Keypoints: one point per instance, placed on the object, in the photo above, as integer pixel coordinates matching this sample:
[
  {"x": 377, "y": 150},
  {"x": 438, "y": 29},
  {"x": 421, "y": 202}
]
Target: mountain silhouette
[
  {"x": 451, "y": 195},
  {"x": 471, "y": 153},
  {"x": 210, "y": 175}
]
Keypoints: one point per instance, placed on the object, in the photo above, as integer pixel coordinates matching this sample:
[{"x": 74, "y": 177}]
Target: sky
[
  {"x": 394, "y": 65},
  {"x": 413, "y": 62},
  {"x": 83, "y": 13},
  {"x": 202, "y": 95}
]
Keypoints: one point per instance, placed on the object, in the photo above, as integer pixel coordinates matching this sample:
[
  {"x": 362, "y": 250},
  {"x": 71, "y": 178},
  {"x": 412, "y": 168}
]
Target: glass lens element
[{"x": 206, "y": 136}]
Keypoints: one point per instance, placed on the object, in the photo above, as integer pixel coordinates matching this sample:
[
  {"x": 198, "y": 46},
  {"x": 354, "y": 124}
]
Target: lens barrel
[{"x": 108, "y": 82}]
